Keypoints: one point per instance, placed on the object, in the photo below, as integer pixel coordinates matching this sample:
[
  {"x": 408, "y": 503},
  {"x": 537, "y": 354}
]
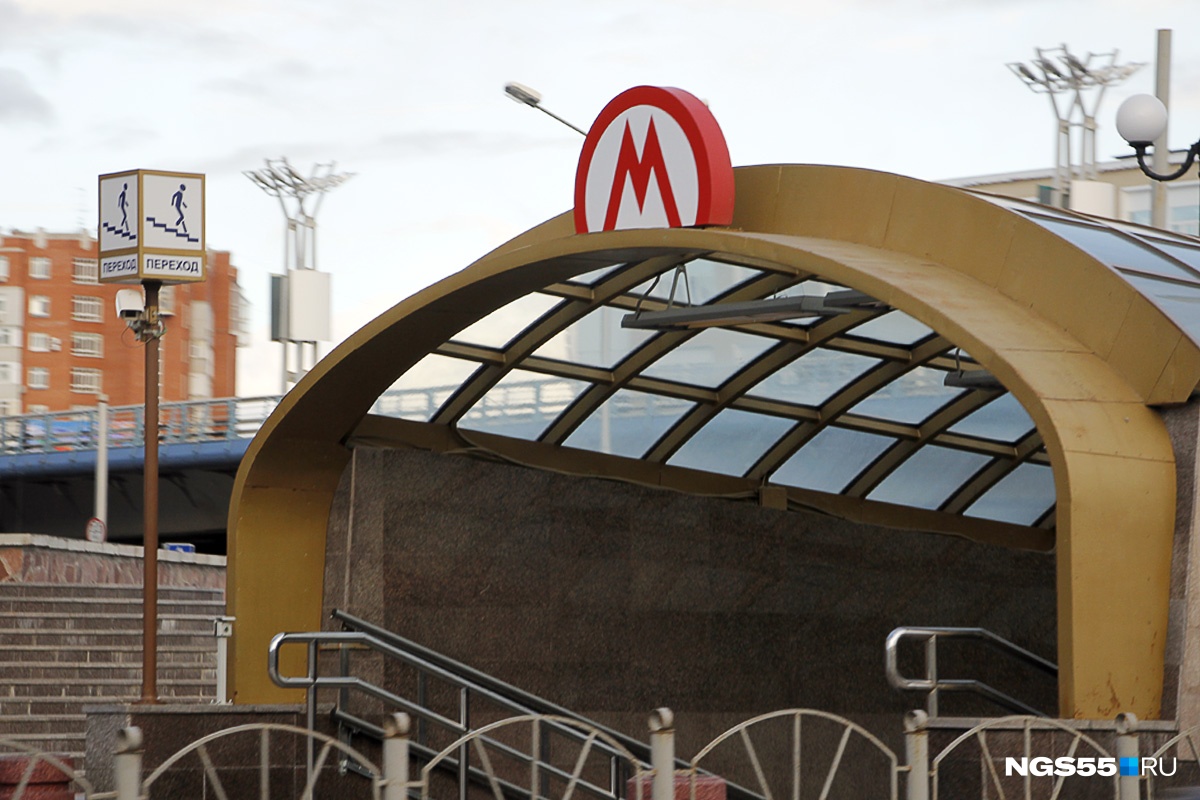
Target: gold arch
[{"x": 1083, "y": 351}]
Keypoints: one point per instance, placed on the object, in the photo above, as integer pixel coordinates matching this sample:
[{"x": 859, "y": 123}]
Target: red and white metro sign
[{"x": 654, "y": 158}]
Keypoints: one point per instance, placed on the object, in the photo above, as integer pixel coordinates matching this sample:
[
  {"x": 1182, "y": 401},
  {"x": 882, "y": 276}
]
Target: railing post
[
  {"x": 395, "y": 756},
  {"x": 129, "y": 763},
  {"x": 344, "y": 672},
  {"x": 662, "y": 754},
  {"x": 931, "y": 673},
  {"x": 1127, "y": 747},
  {"x": 916, "y": 753},
  {"x": 464, "y": 751},
  {"x": 223, "y": 630},
  {"x": 310, "y": 712},
  {"x": 422, "y": 700}
]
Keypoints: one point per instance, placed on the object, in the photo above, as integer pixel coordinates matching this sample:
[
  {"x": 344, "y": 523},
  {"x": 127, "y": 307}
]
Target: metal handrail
[
  {"x": 429, "y": 663},
  {"x": 532, "y": 703},
  {"x": 313, "y": 681},
  {"x": 933, "y": 685},
  {"x": 519, "y": 697}
]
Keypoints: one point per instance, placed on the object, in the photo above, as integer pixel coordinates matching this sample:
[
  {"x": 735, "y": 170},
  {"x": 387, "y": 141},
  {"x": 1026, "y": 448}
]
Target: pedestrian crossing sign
[{"x": 151, "y": 227}]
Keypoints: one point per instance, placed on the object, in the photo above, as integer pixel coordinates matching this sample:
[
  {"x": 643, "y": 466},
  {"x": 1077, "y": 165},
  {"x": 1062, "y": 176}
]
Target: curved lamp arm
[{"x": 1140, "y": 148}]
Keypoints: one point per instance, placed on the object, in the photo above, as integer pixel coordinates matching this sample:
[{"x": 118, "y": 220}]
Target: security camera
[{"x": 130, "y": 304}]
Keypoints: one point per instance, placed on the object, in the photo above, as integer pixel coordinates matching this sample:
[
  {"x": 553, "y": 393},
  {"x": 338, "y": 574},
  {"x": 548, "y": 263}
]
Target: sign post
[{"x": 151, "y": 232}]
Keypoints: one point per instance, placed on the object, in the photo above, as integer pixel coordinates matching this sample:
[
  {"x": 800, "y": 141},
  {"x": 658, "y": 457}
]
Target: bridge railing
[
  {"x": 192, "y": 421},
  {"x": 516, "y": 404},
  {"x": 240, "y": 417}
]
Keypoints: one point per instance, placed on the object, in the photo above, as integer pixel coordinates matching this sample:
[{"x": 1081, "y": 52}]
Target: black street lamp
[{"x": 1141, "y": 120}]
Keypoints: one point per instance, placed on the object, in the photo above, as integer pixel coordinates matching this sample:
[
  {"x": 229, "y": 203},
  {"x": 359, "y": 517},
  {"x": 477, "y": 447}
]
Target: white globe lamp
[{"x": 1141, "y": 119}]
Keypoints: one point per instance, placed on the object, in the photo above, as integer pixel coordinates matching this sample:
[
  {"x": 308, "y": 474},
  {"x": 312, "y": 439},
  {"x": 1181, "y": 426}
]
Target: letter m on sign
[
  {"x": 679, "y": 132},
  {"x": 639, "y": 171}
]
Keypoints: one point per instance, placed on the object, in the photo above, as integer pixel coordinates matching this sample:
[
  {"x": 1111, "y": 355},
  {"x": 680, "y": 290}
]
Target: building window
[
  {"x": 39, "y": 343},
  {"x": 10, "y": 372},
  {"x": 3, "y": 268},
  {"x": 38, "y": 378},
  {"x": 37, "y": 408},
  {"x": 85, "y": 309},
  {"x": 39, "y": 267},
  {"x": 85, "y": 270},
  {"x": 85, "y": 381},
  {"x": 9, "y": 408},
  {"x": 39, "y": 305},
  {"x": 87, "y": 344},
  {"x": 8, "y": 337}
]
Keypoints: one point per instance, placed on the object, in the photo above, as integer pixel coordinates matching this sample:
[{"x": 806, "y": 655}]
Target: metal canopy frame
[{"x": 1088, "y": 345}]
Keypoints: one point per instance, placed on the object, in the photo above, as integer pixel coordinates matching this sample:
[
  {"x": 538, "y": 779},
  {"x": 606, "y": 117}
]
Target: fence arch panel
[
  {"x": 789, "y": 755},
  {"x": 25, "y": 771},
  {"x": 981, "y": 753},
  {"x": 249, "y": 766},
  {"x": 537, "y": 756},
  {"x": 1181, "y": 756}
]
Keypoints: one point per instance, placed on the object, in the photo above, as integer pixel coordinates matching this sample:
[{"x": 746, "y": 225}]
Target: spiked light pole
[{"x": 300, "y": 198}]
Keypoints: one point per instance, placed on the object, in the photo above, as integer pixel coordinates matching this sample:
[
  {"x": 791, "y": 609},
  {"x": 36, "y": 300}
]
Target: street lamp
[
  {"x": 1141, "y": 120},
  {"x": 520, "y": 93}
]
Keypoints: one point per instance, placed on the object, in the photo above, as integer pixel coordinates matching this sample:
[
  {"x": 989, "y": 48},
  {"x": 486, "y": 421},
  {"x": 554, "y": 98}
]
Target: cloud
[
  {"x": 15, "y": 24},
  {"x": 122, "y": 137},
  {"x": 252, "y": 156},
  {"x": 439, "y": 142},
  {"x": 20, "y": 102},
  {"x": 239, "y": 87},
  {"x": 264, "y": 83}
]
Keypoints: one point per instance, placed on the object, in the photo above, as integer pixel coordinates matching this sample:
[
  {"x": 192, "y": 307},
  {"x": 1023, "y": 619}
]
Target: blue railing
[{"x": 193, "y": 421}]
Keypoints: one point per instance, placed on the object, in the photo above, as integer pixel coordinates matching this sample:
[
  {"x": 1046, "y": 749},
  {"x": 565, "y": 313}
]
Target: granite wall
[
  {"x": 1181, "y": 692},
  {"x": 612, "y": 599}
]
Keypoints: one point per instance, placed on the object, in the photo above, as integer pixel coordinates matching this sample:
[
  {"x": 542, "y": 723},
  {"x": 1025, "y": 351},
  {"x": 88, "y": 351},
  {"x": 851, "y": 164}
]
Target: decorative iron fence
[{"x": 794, "y": 754}]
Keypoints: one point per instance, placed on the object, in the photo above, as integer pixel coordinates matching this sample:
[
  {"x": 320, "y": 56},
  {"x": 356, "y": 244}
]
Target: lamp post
[
  {"x": 521, "y": 93},
  {"x": 1141, "y": 120},
  {"x": 300, "y": 297}
]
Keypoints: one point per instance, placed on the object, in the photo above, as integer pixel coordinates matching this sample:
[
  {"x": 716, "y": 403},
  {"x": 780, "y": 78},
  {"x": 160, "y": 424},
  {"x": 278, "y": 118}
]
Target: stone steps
[
  {"x": 13, "y": 725},
  {"x": 52, "y": 688},
  {"x": 29, "y": 619},
  {"x": 67, "y": 646},
  {"x": 38, "y": 614},
  {"x": 76, "y": 591},
  {"x": 169, "y": 652},
  {"x": 97, "y": 671},
  {"x": 101, "y": 640},
  {"x": 38, "y": 706}
]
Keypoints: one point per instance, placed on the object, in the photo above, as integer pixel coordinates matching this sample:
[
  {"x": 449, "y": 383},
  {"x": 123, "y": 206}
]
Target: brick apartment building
[{"x": 62, "y": 345}]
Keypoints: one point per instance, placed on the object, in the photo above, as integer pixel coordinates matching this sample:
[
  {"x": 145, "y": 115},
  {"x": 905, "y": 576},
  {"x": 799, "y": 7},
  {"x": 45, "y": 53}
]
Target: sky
[{"x": 409, "y": 98}]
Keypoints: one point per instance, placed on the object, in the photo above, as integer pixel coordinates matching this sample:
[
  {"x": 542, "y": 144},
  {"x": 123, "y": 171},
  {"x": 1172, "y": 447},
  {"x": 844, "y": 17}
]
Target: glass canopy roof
[{"x": 859, "y": 401}]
